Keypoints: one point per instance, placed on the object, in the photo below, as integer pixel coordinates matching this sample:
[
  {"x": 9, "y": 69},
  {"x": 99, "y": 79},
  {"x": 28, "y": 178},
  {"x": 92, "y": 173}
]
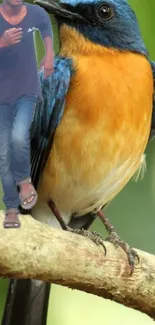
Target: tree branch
[{"x": 37, "y": 251}]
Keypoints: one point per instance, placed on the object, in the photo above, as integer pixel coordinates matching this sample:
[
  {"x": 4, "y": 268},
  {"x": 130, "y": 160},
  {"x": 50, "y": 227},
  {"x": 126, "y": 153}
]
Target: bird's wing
[
  {"x": 48, "y": 114},
  {"x": 153, "y": 113}
]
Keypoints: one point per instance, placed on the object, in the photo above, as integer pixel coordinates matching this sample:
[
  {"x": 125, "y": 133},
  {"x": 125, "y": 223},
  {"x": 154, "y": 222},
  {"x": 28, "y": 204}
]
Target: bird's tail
[{"x": 26, "y": 303}]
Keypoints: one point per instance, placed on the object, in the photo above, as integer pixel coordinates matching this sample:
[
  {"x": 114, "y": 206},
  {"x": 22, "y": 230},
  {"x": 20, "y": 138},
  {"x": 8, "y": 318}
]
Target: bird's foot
[
  {"x": 97, "y": 238},
  {"x": 94, "y": 236},
  {"x": 118, "y": 242},
  {"x": 112, "y": 238}
]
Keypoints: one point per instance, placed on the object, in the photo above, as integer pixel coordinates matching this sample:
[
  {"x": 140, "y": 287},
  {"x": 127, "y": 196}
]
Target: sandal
[
  {"x": 11, "y": 219},
  {"x": 28, "y": 195}
]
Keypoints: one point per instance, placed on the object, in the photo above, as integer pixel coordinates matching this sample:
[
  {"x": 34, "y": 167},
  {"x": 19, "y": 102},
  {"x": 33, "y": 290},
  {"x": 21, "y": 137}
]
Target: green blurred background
[{"x": 132, "y": 213}]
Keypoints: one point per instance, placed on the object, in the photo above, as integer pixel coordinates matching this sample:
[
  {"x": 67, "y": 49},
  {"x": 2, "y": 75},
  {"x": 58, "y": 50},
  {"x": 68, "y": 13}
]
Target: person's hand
[
  {"x": 47, "y": 64},
  {"x": 11, "y": 36}
]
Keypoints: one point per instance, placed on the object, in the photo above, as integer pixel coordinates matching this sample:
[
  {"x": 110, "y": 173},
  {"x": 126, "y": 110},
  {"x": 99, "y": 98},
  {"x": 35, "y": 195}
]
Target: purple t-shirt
[{"x": 18, "y": 64}]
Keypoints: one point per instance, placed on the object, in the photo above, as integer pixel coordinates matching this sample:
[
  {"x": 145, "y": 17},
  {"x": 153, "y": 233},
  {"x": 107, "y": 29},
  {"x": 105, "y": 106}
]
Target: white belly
[{"x": 82, "y": 202}]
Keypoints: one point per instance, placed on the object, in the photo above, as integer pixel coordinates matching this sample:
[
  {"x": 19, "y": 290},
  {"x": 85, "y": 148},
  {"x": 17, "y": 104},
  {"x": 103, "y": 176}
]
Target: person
[{"x": 19, "y": 91}]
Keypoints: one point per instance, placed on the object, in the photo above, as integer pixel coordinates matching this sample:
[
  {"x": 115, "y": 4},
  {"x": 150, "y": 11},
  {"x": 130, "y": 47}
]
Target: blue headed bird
[
  {"x": 106, "y": 95},
  {"x": 90, "y": 132}
]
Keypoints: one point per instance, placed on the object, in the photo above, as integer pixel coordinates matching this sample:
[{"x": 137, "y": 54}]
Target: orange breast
[
  {"x": 112, "y": 94},
  {"x": 104, "y": 131}
]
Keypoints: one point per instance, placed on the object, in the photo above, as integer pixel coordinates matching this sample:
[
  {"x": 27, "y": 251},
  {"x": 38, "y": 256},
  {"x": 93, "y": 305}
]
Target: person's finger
[
  {"x": 18, "y": 41},
  {"x": 49, "y": 69},
  {"x": 19, "y": 34},
  {"x": 16, "y": 30},
  {"x": 41, "y": 65},
  {"x": 18, "y": 37},
  {"x": 47, "y": 73}
]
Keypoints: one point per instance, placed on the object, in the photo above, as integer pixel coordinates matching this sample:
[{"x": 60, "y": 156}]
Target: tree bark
[{"x": 39, "y": 252}]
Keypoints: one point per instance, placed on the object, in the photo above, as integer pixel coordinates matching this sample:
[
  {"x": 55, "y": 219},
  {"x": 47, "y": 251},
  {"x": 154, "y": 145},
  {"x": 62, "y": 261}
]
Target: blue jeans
[{"x": 15, "y": 166}]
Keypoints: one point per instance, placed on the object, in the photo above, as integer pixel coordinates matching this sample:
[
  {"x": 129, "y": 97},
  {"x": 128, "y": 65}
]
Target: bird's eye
[{"x": 104, "y": 11}]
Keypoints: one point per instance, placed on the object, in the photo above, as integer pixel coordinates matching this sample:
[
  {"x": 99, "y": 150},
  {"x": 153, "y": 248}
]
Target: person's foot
[
  {"x": 28, "y": 195},
  {"x": 11, "y": 219}
]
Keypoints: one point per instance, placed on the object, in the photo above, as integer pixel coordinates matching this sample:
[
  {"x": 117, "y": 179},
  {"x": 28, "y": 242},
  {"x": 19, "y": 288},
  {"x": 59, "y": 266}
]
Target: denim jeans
[{"x": 15, "y": 123}]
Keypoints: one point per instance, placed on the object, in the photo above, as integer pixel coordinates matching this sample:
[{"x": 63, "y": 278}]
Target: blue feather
[
  {"x": 153, "y": 69},
  {"x": 118, "y": 3},
  {"x": 48, "y": 113}
]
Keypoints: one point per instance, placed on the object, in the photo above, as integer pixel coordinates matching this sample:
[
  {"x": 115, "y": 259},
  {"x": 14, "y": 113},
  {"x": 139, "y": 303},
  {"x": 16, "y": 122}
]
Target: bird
[{"x": 90, "y": 133}]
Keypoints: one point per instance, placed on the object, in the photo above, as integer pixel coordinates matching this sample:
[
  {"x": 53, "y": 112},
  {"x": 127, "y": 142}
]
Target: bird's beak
[{"x": 58, "y": 10}]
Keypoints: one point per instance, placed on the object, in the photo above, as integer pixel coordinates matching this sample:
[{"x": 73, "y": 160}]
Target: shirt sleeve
[{"x": 44, "y": 23}]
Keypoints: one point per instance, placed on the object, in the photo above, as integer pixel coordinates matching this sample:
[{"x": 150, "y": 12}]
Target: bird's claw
[
  {"x": 131, "y": 253},
  {"x": 94, "y": 236},
  {"x": 112, "y": 238}
]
